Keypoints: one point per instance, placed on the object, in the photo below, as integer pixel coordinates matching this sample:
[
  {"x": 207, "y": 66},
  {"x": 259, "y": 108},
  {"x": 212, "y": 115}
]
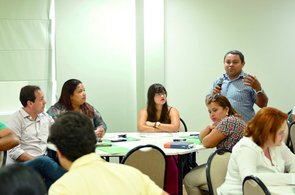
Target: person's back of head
[
  {"x": 73, "y": 135},
  {"x": 18, "y": 179}
]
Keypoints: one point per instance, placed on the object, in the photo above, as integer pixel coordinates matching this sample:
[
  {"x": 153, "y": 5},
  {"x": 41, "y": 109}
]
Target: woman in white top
[{"x": 262, "y": 153}]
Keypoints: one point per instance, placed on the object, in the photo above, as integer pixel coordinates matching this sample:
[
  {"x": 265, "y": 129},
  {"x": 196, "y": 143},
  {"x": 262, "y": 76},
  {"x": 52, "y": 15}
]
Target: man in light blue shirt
[{"x": 242, "y": 90}]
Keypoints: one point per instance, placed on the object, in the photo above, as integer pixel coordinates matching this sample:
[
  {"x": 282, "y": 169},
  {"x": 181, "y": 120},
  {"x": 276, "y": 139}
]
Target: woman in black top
[{"x": 158, "y": 116}]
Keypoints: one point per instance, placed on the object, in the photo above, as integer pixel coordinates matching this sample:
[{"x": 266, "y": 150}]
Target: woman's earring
[{"x": 227, "y": 114}]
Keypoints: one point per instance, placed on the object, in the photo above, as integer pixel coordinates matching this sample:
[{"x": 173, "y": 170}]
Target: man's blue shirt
[{"x": 241, "y": 97}]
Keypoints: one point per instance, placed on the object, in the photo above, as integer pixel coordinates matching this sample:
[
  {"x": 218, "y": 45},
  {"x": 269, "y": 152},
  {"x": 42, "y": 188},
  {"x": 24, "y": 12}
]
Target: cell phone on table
[
  {"x": 179, "y": 140},
  {"x": 103, "y": 144},
  {"x": 123, "y": 135},
  {"x": 119, "y": 139}
]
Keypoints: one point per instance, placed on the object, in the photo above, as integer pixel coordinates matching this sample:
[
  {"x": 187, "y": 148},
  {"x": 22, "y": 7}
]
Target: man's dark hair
[
  {"x": 235, "y": 52},
  {"x": 73, "y": 135},
  {"x": 27, "y": 93},
  {"x": 21, "y": 179}
]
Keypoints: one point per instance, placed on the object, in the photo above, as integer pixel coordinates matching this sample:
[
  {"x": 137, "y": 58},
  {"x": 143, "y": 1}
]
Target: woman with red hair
[{"x": 262, "y": 153}]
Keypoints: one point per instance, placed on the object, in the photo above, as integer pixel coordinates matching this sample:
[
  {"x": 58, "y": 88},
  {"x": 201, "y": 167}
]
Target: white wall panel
[
  {"x": 95, "y": 42},
  {"x": 198, "y": 34}
]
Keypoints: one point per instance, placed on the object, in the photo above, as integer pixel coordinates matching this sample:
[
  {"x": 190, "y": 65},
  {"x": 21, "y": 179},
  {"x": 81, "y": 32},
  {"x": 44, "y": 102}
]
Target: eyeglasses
[
  {"x": 215, "y": 97},
  {"x": 160, "y": 94}
]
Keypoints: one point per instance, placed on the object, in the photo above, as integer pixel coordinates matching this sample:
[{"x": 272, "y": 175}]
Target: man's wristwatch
[
  {"x": 157, "y": 124},
  {"x": 259, "y": 92}
]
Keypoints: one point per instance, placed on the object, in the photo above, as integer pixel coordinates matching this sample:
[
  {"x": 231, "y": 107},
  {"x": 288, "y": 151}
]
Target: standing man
[
  {"x": 241, "y": 89},
  {"x": 88, "y": 173},
  {"x": 31, "y": 124}
]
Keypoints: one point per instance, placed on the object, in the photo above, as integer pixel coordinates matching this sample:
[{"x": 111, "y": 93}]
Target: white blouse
[{"x": 248, "y": 158}]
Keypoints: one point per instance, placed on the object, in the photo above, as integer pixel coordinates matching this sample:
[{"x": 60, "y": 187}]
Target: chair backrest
[
  {"x": 150, "y": 160},
  {"x": 289, "y": 121},
  {"x": 287, "y": 140},
  {"x": 3, "y": 155},
  {"x": 253, "y": 185},
  {"x": 182, "y": 126},
  {"x": 216, "y": 169},
  {"x": 291, "y": 134}
]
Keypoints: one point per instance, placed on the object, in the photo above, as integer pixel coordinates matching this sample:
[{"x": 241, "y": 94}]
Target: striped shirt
[
  {"x": 241, "y": 97},
  {"x": 33, "y": 134}
]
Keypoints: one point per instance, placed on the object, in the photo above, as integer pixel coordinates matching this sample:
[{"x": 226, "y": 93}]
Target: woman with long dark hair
[
  {"x": 73, "y": 97},
  {"x": 158, "y": 116}
]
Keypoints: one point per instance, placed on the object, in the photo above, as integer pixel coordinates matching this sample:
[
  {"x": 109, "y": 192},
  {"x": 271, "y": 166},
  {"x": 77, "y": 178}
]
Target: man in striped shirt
[{"x": 243, "y": 90}]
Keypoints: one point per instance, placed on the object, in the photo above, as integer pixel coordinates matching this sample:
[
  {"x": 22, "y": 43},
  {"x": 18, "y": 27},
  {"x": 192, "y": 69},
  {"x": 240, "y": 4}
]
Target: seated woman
[
  {"x": 262, "y": 153},
  {"x": 159, "y": 117},
  {"x": 73, "y": 97},
  {"x": 225, "y": 131}
]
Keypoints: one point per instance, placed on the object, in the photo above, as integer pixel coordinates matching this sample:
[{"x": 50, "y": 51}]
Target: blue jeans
[{"x": 48, "y": 169}]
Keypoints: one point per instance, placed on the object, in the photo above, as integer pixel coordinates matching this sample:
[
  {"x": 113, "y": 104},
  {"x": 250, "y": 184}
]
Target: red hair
[{"x": 266, "y": 121}]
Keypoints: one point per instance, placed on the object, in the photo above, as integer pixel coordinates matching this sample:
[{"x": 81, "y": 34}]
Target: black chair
[
  {"x": 182, "y": 126},
  {"x": 288, "y": 141},
  {"x": 291, "y": 137},
  {"x": 3, "y": 155},
  {"x": 216, "y": 169},
  {"x": 150, "y": 160},
  {"x": 253, "y": 185}
]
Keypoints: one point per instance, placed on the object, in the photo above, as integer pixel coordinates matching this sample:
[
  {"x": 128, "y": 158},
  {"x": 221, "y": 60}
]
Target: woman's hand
[
  {"x": 150, "y": 124},
  {"x": 99, "y": 132},
  {"x": 211, "y": 126},
  {"x": 206, "y": 131}
]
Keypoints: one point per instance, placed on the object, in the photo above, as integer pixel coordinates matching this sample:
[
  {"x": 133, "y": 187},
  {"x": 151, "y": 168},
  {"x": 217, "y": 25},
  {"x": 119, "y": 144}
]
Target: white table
[
  {"x": 281, "y": 190},
  {"x": 158, "y": 139}
]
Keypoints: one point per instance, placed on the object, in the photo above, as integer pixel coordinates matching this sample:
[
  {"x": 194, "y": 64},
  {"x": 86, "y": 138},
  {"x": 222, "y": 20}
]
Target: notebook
[{"x": 179, "y": 145}]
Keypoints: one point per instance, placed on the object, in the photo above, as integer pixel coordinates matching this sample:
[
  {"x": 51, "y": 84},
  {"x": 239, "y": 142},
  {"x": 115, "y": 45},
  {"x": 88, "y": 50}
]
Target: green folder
[
  {"x": 127, "y": 139},
  {"x": 190, "y": 137},
  {"x": 195, "y": 141}
]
